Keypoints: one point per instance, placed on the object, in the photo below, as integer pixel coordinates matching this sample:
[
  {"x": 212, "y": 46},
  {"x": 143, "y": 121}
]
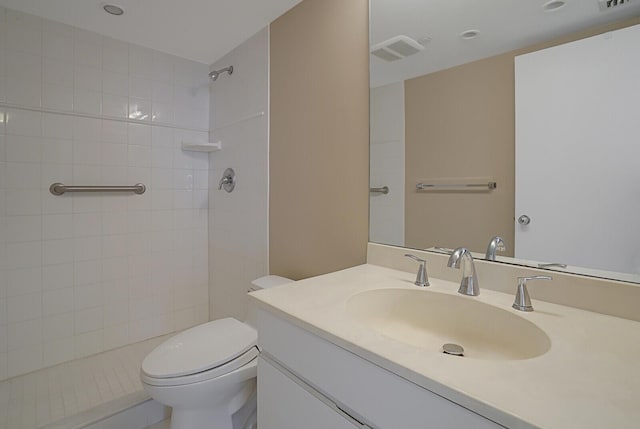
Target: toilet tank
[
  {"x": 264, "y": 283},
  {"x": 267, "y": 282}
]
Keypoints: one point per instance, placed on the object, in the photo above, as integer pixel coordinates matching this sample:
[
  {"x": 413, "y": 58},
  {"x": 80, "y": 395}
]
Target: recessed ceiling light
[
  {"x": 112, "y": 9},
  {"x": 553, "y": 5},
  {"x": 469, "y": 34}
]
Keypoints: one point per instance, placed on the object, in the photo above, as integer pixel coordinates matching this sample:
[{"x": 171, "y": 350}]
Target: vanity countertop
[{"x": 590, "y": 377}]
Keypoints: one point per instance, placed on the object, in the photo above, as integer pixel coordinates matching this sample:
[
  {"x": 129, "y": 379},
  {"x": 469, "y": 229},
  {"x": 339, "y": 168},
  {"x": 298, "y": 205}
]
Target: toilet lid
[{"x": 200, "y": 348}]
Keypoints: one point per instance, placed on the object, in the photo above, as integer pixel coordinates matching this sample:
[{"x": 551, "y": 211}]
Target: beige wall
[
  {"x": 319, "y": 138},
  {"x": 460, "y": 123}
]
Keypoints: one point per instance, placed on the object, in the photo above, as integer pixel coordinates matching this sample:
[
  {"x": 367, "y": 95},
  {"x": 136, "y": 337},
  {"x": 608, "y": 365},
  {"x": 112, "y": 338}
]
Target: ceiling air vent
[
  {"x": 610, "y": 4},
  {"x": 396, "y": 48}
]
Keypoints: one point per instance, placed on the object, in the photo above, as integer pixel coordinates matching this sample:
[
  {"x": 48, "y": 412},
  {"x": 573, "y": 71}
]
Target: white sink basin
[{"x": 429, "y": 320}]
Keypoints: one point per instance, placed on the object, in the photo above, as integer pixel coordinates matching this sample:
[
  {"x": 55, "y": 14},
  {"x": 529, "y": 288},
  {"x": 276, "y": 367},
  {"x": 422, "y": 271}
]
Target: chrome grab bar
[
  {"x": 384, "y": 190},
  {"x": 426, "y": 186},
  {"x": 552, "y": 265},
  {"x": 60, "y": 188}
]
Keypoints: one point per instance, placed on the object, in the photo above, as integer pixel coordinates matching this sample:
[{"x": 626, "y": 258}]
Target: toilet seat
[
  {"x": 248, "y": 359},
  {"x": 201, "y": 353}
]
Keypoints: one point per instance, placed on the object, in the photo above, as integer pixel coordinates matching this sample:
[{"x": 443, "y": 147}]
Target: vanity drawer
[{"x": 365, "y": 391}]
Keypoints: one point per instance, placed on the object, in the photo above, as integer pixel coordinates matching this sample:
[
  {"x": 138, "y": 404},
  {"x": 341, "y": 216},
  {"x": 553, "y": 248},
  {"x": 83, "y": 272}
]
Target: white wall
[
  {"x": 238, "y": 222},
  {"x": 386, "y": 212},
  {"x": 84, "y": 273}
]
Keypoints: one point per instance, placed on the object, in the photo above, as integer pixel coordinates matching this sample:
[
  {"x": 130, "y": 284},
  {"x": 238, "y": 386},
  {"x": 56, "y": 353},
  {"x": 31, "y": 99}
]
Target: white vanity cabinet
[
  {"x": 286, "y": 402},
  {"x": 307, "y": 381}
]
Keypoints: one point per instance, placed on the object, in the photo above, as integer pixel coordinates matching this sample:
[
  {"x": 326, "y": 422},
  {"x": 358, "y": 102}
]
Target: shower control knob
[{"x": 524, "y": 220}]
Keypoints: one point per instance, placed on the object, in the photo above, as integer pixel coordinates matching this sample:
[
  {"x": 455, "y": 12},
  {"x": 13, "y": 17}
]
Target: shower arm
[{"x": 215, "y": 74}]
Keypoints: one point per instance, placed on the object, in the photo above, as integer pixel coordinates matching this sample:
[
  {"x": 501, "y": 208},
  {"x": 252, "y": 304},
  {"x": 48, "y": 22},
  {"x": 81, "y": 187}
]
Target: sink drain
[{"x": 453, "y": 349}]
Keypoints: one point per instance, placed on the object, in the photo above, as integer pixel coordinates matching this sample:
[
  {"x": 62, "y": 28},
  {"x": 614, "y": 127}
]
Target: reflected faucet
[
  {"x": 469, "y": 283},
  {"x": 496, "y": 243}
]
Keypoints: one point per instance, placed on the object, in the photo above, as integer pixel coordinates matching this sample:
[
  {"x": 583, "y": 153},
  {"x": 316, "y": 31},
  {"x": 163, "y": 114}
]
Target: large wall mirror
[{"x": 511, "y": 119}]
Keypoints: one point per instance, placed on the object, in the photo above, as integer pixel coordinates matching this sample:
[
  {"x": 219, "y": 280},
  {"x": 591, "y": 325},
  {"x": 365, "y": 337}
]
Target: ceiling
[
  {"x": 504, "y": 25},
  {"x": 200, "y": 30}
]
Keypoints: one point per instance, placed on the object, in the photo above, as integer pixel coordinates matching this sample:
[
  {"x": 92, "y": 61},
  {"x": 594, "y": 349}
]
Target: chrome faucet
[
  {"x": 469, "y": 283},
  {"x": 523, "y": 302},
  {"x": 496, "y": 243},
  {"x": 422, "y": 279}
]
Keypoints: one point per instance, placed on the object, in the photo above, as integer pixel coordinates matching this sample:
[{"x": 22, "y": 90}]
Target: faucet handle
[
  {"x": 422, "y": 279},
  {"x": 522, "y": 301}
]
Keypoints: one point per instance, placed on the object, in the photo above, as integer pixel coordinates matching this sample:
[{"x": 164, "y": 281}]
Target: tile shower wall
[
  {"x": 238, "y": 221},
  {"x": 387, "y": 159},
  {"x": 80, "y": 274}
]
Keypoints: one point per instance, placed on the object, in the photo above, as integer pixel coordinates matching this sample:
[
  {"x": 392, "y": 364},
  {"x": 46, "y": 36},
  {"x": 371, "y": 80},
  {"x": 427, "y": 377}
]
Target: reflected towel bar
[
  {"x": 384, "y": 190},
  {"x": 60, "y": 188},
  {"x": 427, "y": 186}
]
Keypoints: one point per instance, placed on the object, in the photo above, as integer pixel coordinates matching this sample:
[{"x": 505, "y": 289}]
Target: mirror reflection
[{"x": 516, "y": 94}]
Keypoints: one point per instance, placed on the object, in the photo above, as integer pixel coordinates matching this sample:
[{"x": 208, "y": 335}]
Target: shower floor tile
[{"x": 42, "y": 397}]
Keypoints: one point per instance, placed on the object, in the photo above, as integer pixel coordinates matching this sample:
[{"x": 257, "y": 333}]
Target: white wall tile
[
  {"x": 88, "y": 320},
  {"x": 114, "y": 132},
  {"x": 162, "y": 112},
  {"x": 24, "y": 307},
  {"x": 245, "y": 147},
  {"x": 23, "y": 149},
  {"x": 57, "y": 126},
  {"x": 139, "y": 156},
  {"x": 115, "y": 105},
  {"x": 57, "y": 97},
  {"x": 23, "y": 32},
  {"x": 87, "y": 153},
  {"x": 87, "y": 249},
  {"x": 115, "y": 55},
  {"x": 57, "y": 276},
  {"x": 115, "y": 83},
  {"x": 58, "y": 326},
  {"x": 21, "y": 361},
  {"x": 116, "y": 336},
  {"x": 114, "y": 223},
  {"x": 24, "y": 281},
  {"x": 57, "y": 227},
  {"x": 59, "y": 72},
  {"x": 163, "y": 67},
  {"x": 88, "y": 344},
  {"x": 23, "y": 92},
  {"x": 140, "y": 88},
  {"x": 56, "y": 252},
  {"x": 24, "y": 255},
  {"x": 87, "y": 78},
  {"x": 21, "y": 66},
  {"x": 55, "y": 302},
  {"x": 23, "y": 123},
  {"x": 87, "y": 49},
  {"x": 87, "y": 129},
  {"x": 114, "y": 155},
  {"x": 58, "y": 351},
  {"x": 162, "y": 93},
  {"x": 162, "y": 137},
  {"x": 87, "y": 224},
  {"x": 140, "y": 62},
  {"x": 56, "y": 151},
  {"x": 76, "y": 269},
  {"x": 57, "y": 41},
  {"x": 85, "y": 101},
  {"x": 140, "y": 109},
  {"x": 87, "y": 296}
]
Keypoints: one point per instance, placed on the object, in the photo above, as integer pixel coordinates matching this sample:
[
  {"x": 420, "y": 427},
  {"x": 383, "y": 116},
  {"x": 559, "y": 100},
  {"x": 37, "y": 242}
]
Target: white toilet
[{"x": 208, "y": 373}]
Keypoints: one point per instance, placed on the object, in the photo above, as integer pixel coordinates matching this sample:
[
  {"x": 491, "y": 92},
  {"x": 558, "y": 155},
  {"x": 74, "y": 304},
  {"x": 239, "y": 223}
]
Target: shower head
[{"x": 214, "y": 75}]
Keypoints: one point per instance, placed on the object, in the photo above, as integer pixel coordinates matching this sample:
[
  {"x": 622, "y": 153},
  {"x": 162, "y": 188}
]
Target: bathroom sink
[{"x": 429, "y": 320}]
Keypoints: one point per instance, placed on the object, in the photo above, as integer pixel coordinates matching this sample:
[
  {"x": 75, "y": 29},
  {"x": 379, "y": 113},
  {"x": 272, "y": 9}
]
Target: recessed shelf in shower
[{"x": 202, "y": 147}]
